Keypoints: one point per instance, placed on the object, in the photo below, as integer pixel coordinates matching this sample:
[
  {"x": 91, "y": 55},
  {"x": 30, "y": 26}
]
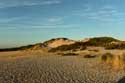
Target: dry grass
[
  {"x": 107, "y": 57},
  {"x": 116, "y": 61}
]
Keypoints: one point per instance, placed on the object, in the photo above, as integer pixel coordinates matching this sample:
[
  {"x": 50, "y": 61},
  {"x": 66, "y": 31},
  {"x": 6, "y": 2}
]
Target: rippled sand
[{"x": 43, "y": 68}]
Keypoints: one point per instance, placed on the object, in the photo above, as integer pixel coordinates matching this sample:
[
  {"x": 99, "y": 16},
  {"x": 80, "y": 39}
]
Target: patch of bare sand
[{"x": 60, "y": 42}]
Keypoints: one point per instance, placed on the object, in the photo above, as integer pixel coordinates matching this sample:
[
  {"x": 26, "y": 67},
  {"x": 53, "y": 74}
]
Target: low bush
[
  {"x": 94, "y": 50},
  {"x": 69, "y": 54},
  {"x": 89, "y": 56}
]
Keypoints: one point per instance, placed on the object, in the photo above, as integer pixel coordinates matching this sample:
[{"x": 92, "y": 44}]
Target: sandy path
[{"x": 56, "y": 69}]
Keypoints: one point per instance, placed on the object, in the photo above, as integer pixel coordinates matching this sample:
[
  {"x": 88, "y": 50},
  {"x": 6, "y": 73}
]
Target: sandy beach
[{"x": 43, "y": 68}]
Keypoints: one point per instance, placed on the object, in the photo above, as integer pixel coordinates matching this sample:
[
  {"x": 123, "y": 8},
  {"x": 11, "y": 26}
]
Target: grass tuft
[{"x": 116, "y": 61}]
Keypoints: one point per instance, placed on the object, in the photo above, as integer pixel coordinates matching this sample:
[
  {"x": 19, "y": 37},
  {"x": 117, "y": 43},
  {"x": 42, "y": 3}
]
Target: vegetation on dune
[
  {"x": 22, "y": 48},
  {"x": 103, "y": 39},
  {"x": 116, "y": 46},
  {"x": 73, "y": 47},
  {"x": 99, "y": 41}
]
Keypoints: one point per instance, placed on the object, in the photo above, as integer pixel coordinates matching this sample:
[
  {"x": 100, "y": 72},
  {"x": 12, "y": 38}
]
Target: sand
[{"x": 43, "y": 68}]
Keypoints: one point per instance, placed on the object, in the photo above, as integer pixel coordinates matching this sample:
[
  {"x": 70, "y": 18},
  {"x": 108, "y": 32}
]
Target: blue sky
[{"x": 25, "y": 22}]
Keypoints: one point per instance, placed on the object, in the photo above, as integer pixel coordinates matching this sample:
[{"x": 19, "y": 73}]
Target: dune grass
[{"x": 116, "y": 61}]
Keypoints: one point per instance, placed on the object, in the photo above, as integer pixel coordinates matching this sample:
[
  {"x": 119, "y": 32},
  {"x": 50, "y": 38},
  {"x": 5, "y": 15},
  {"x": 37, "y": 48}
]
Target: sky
[{"x": 24, "y": 22}]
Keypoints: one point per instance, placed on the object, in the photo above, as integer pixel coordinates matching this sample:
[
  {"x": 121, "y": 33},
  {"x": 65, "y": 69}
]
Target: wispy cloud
[
  {"x": 108, "y": 7},
  {"x": 29, "y": 28},
  {"x": 7, "y": 20},
  {"x": 23, "y": 20},
  {"x": 17, "y": 3},
  {"x": 46, "y": 23},
  {"x": 106, "y": 13},
  {"x": 54, "y": 19}
]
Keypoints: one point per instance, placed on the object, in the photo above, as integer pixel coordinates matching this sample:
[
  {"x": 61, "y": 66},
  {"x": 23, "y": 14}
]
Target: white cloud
[{"x": 17, "y": 3}]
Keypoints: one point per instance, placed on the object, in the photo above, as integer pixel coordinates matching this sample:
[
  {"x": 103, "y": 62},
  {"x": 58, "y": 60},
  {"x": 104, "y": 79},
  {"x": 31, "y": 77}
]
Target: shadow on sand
[{"x": 122, "y": 80}]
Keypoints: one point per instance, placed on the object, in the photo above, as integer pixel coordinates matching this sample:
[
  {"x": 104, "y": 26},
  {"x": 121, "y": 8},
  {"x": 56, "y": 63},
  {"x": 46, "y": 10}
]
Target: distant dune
[
  {"x": 68, "y": 44},
  {"x": 58, "y": 42}
]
